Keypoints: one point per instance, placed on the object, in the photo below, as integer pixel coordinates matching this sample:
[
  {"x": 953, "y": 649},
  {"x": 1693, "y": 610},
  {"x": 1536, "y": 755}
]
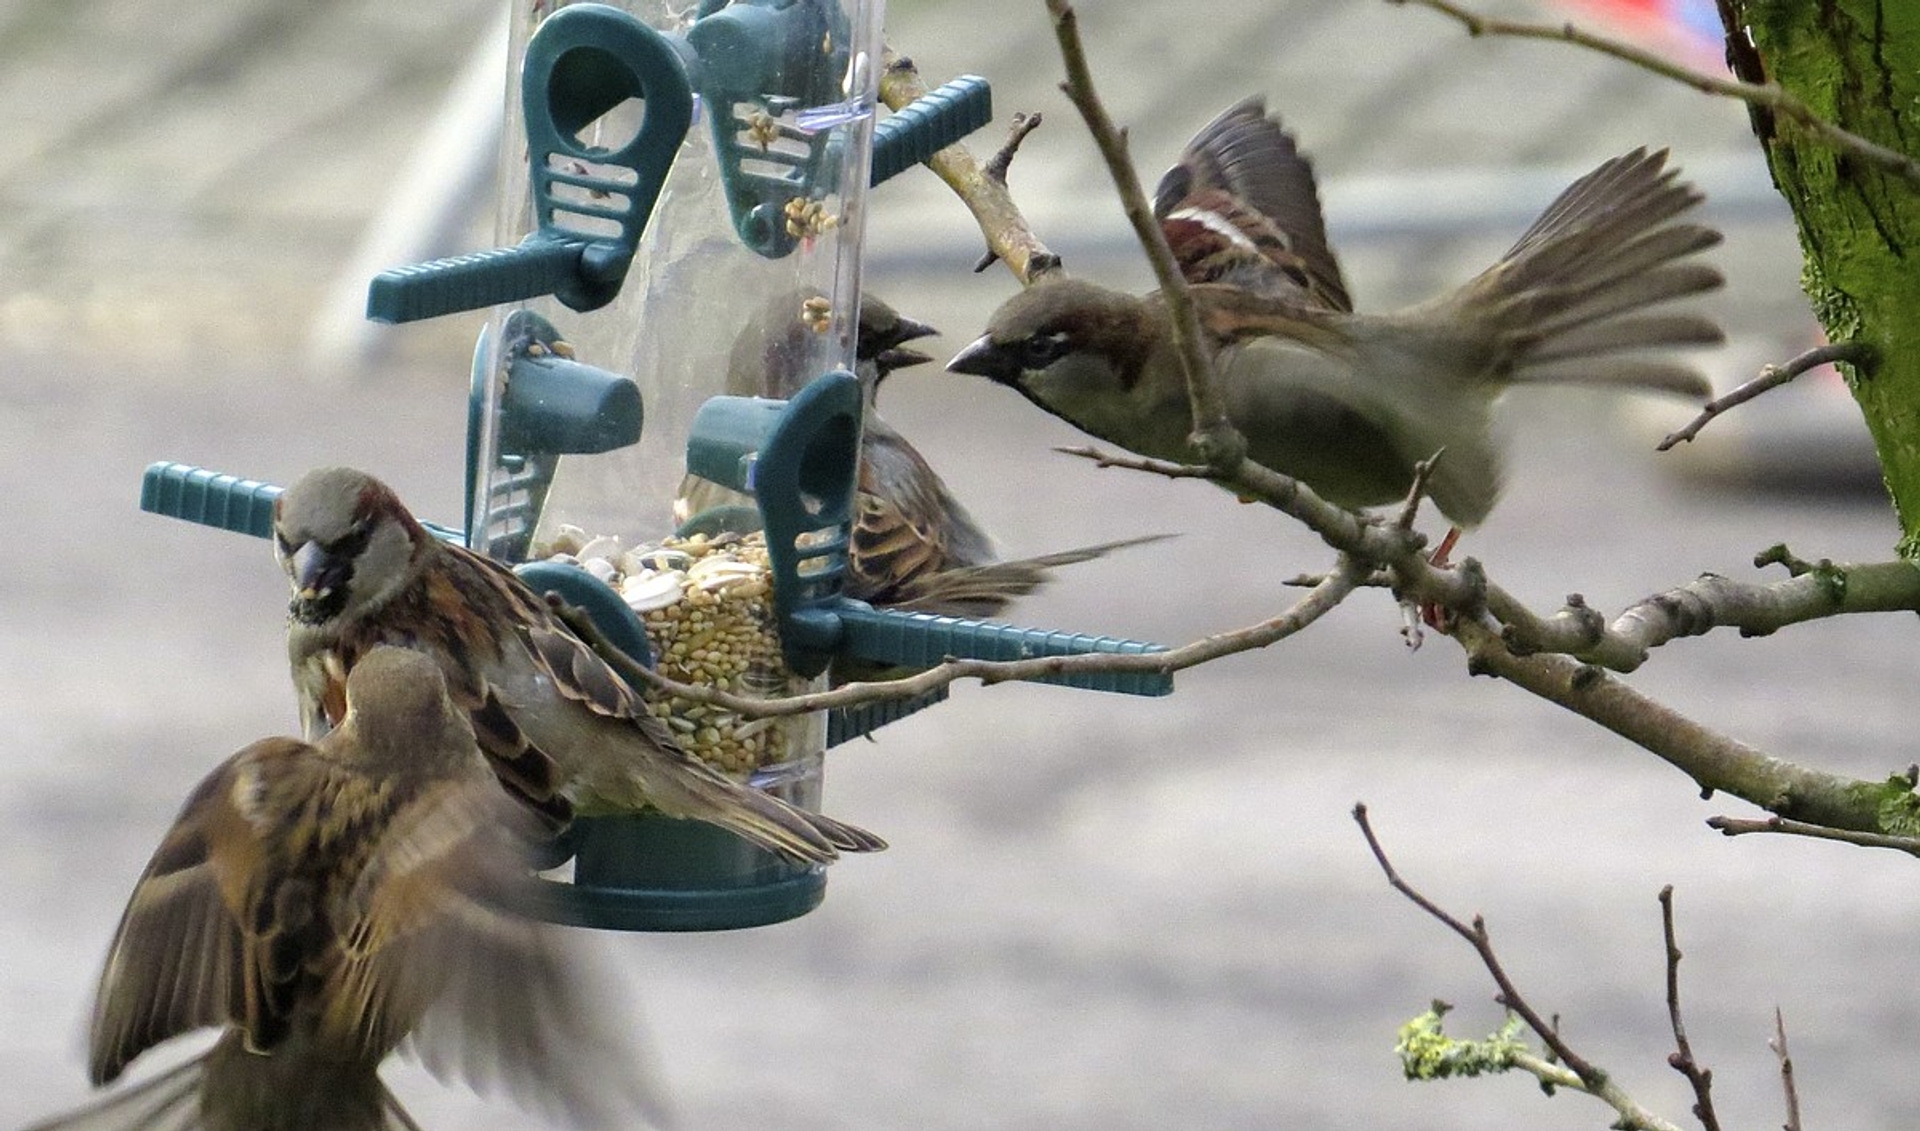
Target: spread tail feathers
[
  {"x": 1574, "y": 287},
  {"x": 759, "y": 817}
]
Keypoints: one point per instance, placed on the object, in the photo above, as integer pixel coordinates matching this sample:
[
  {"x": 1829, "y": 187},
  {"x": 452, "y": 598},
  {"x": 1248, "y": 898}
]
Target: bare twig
[
  {"x": 1771, "y": 377},
  {"x": 1763, "y": 94},
  {"x": 1740, "y": 826},
  {"x": 1360, "y": 535},
  {"x": 996, "y": 171},
  {"x": 1217, "y": 441},
  {"x": 1587, "y": 1077},
  {"x": 1682, "y": 1057},
  {"x": 1779, "y": 1047},
  {"x": 1339, "y": 582},
  {"x": 1009, "y": 237},
  {"x": 1002, "y": 159}
]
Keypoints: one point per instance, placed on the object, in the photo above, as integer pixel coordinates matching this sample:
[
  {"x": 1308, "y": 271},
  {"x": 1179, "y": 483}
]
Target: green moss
[
  {"x": 1427, "y": 1053},
  {"x": 1897, "y": 807},
  {"x": 1857, "y": 64}
]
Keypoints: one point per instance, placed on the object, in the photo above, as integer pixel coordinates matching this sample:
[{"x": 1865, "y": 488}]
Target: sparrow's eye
[
  {"x": 1043, "y": 350},
  {"x": 348, "y": 546},
  {"x": 281, "y": 546}
]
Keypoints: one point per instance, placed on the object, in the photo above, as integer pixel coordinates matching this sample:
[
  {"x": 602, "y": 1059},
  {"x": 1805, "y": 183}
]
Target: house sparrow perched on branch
[
  {"x": 1349, "y": 402},
  {"x": 321, "y": 902},
  {"x": 553, "y": 718},
  {"x": 913, "y": 544}
]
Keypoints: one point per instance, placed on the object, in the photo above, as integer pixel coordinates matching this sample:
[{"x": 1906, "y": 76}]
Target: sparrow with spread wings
[
  {"x": 317, "y": 903},
  {"x": 1345, "y": 401}
]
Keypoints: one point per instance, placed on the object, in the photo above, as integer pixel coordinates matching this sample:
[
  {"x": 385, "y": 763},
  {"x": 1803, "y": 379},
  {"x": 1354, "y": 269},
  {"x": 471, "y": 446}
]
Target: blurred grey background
[{"x": 1097, "y": 912}]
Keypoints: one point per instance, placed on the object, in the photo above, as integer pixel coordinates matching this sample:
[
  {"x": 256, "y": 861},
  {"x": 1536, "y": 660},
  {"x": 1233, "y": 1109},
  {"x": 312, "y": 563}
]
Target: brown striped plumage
[{"x": 558, "y": 724}]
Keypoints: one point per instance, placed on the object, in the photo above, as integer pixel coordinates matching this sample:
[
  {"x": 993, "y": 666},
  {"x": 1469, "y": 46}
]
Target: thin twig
[
  {"x": 1340, "y": 581},
  {"x": 1764, "y": 94},
  {"x": 1002, "y": 159},
  {"x": 1771, "y": 377},
  {"x": 1218, "y": 442},
  {"x": 1682, "y": 1059},
  {"x": 1740, "y": 826},
  {"x": 996, "y": 170},
  {"x": 1779, "y": 1047},
  {"x": 1590, "y": 1078}
]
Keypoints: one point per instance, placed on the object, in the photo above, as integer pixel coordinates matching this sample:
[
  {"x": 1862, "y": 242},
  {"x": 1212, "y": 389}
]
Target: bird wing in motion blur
[{"x": 320, "y": 903}]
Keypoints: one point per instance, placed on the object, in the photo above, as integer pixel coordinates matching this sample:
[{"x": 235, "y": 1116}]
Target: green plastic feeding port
[
  {"x": 798, "y": 459},
  {"x": 550, "y": 406},
  {"x": 647, "y": 872},
  {"x": 591, "y": 202}
]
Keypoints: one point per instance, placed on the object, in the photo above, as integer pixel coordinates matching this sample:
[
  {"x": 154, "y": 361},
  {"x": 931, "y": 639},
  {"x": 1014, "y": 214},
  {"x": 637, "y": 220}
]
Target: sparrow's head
[
  {"x": 882, "y": 335},
  {"x": 346, "y": 543},
  {"x": 397, "y": 702},
  {"x": 1072, "y": 347}
]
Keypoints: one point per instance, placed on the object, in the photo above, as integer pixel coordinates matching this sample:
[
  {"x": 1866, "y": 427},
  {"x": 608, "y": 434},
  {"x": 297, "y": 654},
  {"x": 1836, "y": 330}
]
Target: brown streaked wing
[
  {"x": 1249, "y": 155},
  {"x": 437, "y": 871},
  {"x": 176, "y": 960}
]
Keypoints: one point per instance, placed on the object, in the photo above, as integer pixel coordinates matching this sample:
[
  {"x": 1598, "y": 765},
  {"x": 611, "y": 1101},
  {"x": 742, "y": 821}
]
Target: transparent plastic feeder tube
[{"x": 746, "y": 282}]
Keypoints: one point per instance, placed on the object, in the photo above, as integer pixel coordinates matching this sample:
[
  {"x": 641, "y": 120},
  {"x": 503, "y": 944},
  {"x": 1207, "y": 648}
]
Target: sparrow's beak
[
  {"x": 984, "y": 359},
  {"x": 899, "y": 358},
  {"x": 910, "y": 329},
  {"x": 314, "y": 572}
]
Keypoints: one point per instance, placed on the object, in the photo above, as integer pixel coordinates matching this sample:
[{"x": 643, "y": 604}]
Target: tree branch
[
  {"x": 1587, "y": 1077},
  {"x": 1682, "y": 1059},
  {"x": 1771, "y": 377},
  {"x": 1340, "y": 581},
  {"x": 1779, "y": 1047},
  {"x": 1767, "y": 95},
  {"x": 1715, "y": 762},
  {"x": 1217, "y": 441},
  {"x": 1009, "y": 237},
  {"x": 1707, "y": 603},
  {"x": 1740, "y": 826}
]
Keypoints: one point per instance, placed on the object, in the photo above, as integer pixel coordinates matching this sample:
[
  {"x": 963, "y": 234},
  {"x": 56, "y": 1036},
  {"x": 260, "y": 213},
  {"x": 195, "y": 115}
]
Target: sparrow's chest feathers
[
  {"x": 1128, "y": 396},
  {"x": 316, "y": 828},
  {"x": 433, "y": 616}
]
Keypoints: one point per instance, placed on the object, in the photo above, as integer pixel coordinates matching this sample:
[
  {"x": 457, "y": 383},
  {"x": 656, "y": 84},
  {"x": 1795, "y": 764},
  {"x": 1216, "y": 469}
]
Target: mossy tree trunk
[{"x": 1857, "y": 64}]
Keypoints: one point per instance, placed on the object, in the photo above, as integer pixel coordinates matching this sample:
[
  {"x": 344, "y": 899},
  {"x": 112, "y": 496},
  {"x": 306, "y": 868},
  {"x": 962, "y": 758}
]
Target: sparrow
[
  {"x": 913, "y": 546},
  {"x": 557, "y": 723},
  {"x": 318, "y": 903},
  {"x": 1349, "y": 402}
]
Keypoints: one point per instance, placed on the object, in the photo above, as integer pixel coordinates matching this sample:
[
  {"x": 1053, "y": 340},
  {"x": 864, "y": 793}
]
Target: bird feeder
[{"x": 685, "y": 233}]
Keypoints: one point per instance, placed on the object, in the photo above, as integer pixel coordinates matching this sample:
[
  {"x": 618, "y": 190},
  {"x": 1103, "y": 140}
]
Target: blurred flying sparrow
[
  {"x": 556, "y": 722},
  {"x": 318, "y": 903},
  {"x": 1349, "y": 402},
  {"x": 913, "y": 545}
]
